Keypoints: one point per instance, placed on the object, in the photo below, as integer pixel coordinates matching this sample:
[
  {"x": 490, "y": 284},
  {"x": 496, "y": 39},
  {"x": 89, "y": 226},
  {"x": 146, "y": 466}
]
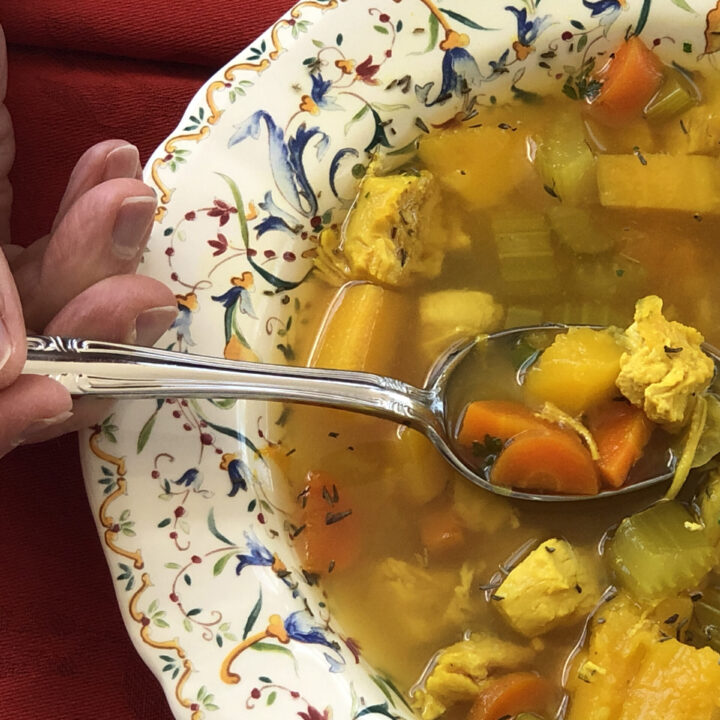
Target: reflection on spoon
[{"x": 101, "y": 369}]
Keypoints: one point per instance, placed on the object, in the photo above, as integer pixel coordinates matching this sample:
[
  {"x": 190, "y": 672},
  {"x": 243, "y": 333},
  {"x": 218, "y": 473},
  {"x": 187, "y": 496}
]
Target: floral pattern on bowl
[{"x": 266, "y": 156}]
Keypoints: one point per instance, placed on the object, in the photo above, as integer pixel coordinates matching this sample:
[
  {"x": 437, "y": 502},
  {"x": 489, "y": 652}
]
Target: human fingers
[
  {"x": 124, "y": 308},
  {"x": 107, "y": 160},
  {"x": 102, "y": 234},
  {"x": 7, "y": 149},
  {"x": 12, "y": 328},
  {"x": 31, "y": 405}
]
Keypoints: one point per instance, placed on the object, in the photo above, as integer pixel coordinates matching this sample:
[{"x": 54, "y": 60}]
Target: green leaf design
[
  {"x": 269, "y": 647},
  {"x": 146, "y": 431},
  {"x": 683, "y": 6},
  {"x": 213, "y": 529},
  {"x": 253, "y": 616},
  {"x": 434, "y": 28},
  {"x": 642, "y": 19},
  {"x": 221, "y": 563},
  {"x": 465, "y": 20}
]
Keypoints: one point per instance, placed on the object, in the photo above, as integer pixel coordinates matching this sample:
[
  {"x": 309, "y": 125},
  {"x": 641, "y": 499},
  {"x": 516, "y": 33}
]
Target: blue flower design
[
  {"x": 319, "y": 93},
  {"x": 238, "y": 472},
  {"x": 299, "y": 626},
  {"x": 190, "y": 478},
  {"x": 287, "y": 158},
  {"x": 459, "y": 71},
  {"x": 527, "y": 30},
  {"x": 601, "y": 6},
  {"x": 258, "y": 556}
]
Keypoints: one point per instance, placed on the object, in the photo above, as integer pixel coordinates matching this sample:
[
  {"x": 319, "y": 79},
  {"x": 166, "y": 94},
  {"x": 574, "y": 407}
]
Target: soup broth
[{"x": 414, "y": 554}]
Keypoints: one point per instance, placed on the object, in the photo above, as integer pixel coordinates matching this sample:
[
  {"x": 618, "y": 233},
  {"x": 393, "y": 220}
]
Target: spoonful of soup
[{"x": 551, "y": 412}]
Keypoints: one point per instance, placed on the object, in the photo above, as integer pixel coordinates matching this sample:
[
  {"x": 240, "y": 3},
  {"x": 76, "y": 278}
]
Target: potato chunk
[
  {"x": 689, "y": 183},
  {"x": 554, "y": 584},
  {"x": 577, "y": 371}
]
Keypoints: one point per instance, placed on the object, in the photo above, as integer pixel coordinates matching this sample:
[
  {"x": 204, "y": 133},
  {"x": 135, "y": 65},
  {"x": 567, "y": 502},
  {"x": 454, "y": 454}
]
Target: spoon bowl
[{"x": 113, "y": 370}]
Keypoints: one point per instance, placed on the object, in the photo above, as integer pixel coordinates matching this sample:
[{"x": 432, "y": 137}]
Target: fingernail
[
  {"x": 122, "y": 162},
  {"x": 151, "y": 324},
  {"x": 132, "y": 225},
  {"x": 38, "y": 426}
]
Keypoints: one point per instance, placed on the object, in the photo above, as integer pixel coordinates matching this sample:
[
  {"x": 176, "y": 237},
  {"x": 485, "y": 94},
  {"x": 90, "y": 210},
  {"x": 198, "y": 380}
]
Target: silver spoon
[{"x": 111, "y": 370}]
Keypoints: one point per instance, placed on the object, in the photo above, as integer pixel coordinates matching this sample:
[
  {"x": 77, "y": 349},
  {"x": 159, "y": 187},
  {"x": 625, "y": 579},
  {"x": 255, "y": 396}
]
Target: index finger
[{"x": 12, "y": 328}]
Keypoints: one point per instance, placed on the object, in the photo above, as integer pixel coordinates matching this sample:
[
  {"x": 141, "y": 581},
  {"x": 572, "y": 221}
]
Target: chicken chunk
[
  {"x": 461, "y": 671},
  {"x": 664, "y": 366},
  {"x": 553, "y": 585}
]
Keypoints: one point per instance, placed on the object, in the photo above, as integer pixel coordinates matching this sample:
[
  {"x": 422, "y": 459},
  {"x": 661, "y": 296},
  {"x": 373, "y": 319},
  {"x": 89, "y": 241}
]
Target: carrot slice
[
  {"x": 630, "y": 80},
  {"x": 546, "y": 461},
  {"x": 512, "y": 694},
  {"x": 441, "y": 530},
  {"x": 621, "y": 432},
  {"x": 329, "y": 538},
  {"x": 497, "y": 418}
]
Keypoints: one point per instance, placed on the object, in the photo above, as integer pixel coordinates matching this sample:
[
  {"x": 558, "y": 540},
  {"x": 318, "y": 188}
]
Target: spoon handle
[{"x": 113, "y": 370}]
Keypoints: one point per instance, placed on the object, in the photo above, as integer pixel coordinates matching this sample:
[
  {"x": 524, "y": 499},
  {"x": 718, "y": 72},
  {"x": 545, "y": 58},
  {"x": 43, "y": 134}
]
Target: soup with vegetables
[{"x": 483, "y": 607}]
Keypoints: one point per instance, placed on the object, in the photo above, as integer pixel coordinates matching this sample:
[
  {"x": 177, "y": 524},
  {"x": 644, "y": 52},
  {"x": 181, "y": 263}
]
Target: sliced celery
[
  {"x": 676, "y": 95},
  {"x": 705, "y": 625},
  {"x": 659, "y": 552},
  {"x": 709, "y": 501},
  {"x": 602, "y": 278},
  {"x": 587, "y": 313},
  {"x": 576, "y": 228},
  {"x": 709, "y": 445},
  {"x": 565, "y": 163},
  {"x": 527, "y": 259}
]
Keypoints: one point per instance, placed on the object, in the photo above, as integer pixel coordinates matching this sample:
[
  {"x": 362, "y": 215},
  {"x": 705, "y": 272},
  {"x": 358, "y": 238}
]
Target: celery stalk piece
[
  {"x": 676, "y": 95},
  {"x": 576, "y": 228},
  {"x": 527, "y": 259},
  {"x": 588, "y": 313},
  {"x": 600, "y": 279},
  {"x": 659, "y": 552},
  {"x": 565, "y": 163}
]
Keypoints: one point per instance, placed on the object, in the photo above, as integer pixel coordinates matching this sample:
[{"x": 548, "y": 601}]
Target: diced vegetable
[
  {"x": 483, "y": 165},
  {"x": 577, "y": 371},
  {"x": 511, "y": 694},
  {"x": 687, "y": 183},
  {"x": 629, "y": 81},
  {"x": 565, "y": 162},
  {"x": 499, "y": 419},
  {"x": 659, "y": 552},
  {"x": 411, "y": 450},
  {"x": 441, "y": 530},
  {"x": 330, "y": 539},
  {"x": 621, "y": 432},
  {"x": 551, "y": 461},
  {"x": 603, "y": 279},
  {"x": 589, "y": 312},
  {"x": 527, "y": 260},
  {"x": 360, "y": 330},
  {"x": 578, "y": 230},
  {"x": 448, "y": 315},
  {"x": 676, "y": 95}
]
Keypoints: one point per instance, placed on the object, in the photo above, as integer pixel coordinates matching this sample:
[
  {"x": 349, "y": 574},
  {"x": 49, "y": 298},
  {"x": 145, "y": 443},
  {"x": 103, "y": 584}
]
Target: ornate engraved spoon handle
[{"x": 90, "y": 367}]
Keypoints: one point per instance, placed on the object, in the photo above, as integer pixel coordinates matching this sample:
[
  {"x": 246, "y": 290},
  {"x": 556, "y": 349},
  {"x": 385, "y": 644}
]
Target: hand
[{"x": 76, "y": 281}]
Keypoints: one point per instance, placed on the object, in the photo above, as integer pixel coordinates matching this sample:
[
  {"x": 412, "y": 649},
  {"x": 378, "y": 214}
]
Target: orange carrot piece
[
  {"x": 630, "y": 79},
  {"x": 621, "y": 432},
  {"x": 512, "y": 694},
  {"x": 441, "y": 530},
  {"x": 498, "y": 418},
  {"x": 330, "y": 536},
  {"x": 549, "y": 460}
]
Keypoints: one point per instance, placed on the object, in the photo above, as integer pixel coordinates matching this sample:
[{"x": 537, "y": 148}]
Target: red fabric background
[{"x": 83, "y": 71}]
